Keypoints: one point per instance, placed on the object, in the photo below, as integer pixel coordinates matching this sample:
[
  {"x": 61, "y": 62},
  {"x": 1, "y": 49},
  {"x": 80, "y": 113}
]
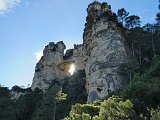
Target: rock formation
[
  {"x": 102, "y": 52},
  {"x": 17, "y": 91},
  {"x": 47, "y": 68},
  {"x": 54, "y": 65},
  {"x": 104, "y": 48}
]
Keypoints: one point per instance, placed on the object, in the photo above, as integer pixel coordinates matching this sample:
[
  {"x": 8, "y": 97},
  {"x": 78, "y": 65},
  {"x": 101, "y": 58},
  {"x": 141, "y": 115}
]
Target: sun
[{"x": 72, "y": 69}]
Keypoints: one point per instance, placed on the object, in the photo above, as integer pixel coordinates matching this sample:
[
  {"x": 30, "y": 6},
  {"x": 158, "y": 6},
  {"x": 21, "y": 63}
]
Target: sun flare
[{"x": 72, "y": 69}]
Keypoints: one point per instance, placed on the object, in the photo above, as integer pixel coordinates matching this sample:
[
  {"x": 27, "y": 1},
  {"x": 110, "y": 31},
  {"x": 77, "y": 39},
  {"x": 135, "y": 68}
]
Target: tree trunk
[
  {"x": 153, "y": 47},
  {"x": 140, "y": 57},
  {"x": 133, "y": 50},
  {"x": 130, "y": 77},
  {"x": 54, "y": 111}
]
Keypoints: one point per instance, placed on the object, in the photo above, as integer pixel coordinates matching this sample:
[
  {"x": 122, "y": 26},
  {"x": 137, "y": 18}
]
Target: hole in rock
[
  {"x": 99, "y": 89},
  {"x": 72, "y": 69}
]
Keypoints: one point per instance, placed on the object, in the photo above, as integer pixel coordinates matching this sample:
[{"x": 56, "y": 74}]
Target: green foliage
[
  {"x": 155, "y": 67},
  {"x": 27, "y": 104},
  {"x": 82, "y": 111},
  {"x": 144, "y": 90},
  {"x": 6, "y": 105},
  {"x": 132, "y": 21},
  {"x": 143, "y": 43},
  {"x": 60, "y": 96},
  {"x": 121, "y": 15},
  {"x": 155, "y": 114},
  {"x": 114, "y": 108},
  {"x": 21, "y": 109},
  {"x": 74, "y": 87},
  {"x": 127, "y": 70},
  {"x": 46, "y": 110}
]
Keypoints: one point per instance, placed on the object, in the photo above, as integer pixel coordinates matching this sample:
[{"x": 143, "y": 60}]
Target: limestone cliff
[
  {"x": 105, "y": 50},
  {"x": 54, "y": 65},
  {"x": 100, "y": 55}
]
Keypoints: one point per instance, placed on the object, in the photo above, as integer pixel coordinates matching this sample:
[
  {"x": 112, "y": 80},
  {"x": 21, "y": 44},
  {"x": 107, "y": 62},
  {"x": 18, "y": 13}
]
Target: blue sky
[{"x": 27, "y": 26}]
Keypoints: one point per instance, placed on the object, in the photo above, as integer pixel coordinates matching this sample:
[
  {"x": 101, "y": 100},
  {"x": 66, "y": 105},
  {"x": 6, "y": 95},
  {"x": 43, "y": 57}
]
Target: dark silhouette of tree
[
  {"x": 7, "y": 111},
  {"x": 132, "y": 21},
  {"x": 158, "y": 17},
  {"x": 121, "y": 15},
  {"x": 151, "y": 29}
]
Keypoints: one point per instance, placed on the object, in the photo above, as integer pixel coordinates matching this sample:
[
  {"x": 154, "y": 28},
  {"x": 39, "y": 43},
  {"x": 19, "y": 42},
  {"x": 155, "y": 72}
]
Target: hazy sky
[{"x": 27, "y": 26}]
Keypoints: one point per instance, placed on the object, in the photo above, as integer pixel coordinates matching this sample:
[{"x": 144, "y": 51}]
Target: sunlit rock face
[
  {"x": 104, "y": 49},
  {"x": 54, "y": 65},
  {"x": 47, "y": 68}
]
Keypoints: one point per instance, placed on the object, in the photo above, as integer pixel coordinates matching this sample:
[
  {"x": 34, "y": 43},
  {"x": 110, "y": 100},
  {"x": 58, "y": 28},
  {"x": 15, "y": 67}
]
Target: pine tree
[{"x": 121, "y": 15}]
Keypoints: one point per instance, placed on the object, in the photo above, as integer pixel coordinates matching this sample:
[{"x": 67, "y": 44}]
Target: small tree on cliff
[
  {"x": 132, "y": 21},
  {"x": 158, "y": 15},
  {"x": 121, "y": 15}
]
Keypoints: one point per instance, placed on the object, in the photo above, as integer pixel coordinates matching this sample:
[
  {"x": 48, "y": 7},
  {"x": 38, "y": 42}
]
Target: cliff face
[
  {"x": 106, "y": 54},
  {"x": 105, "y": 50},
  {"x": 54, "y": 65},
  {"x": 47, "y": 68},
  {"x": 100, "y": 55}
]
